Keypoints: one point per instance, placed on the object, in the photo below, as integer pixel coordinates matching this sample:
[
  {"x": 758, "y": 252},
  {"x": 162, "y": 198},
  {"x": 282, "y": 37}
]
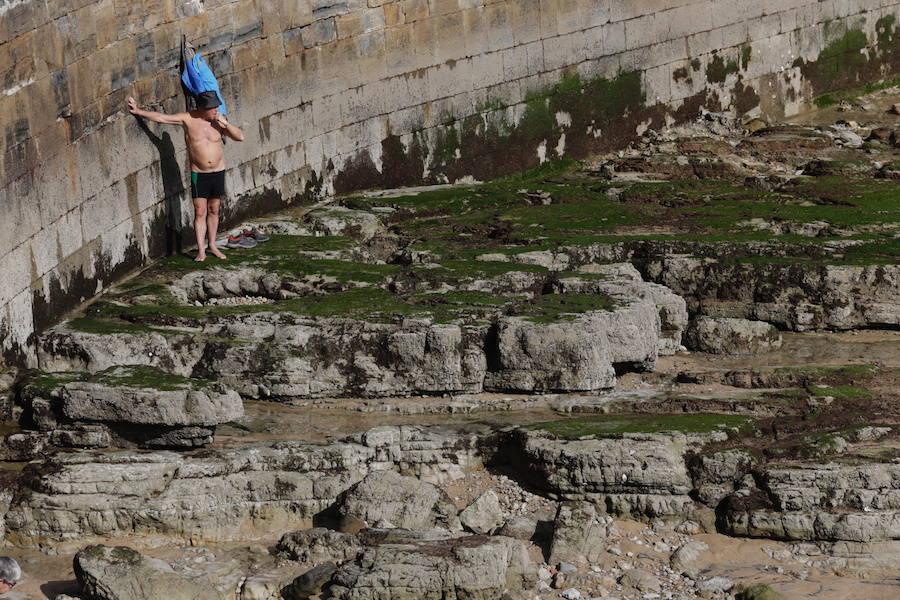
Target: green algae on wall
[
  {"x": 718, "y": 70},
  {"x": 849, "y": 60},
  {"x": 598, "y": 99}
]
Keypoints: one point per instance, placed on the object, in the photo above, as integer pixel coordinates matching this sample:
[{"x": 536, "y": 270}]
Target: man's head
[
  {"x": 207, "y": 105},
  {"x": 10, "y": 574}
]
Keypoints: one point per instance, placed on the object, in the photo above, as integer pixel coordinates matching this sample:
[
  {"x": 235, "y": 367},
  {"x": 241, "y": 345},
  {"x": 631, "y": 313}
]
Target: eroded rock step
[{"x": 844, "y": 515}]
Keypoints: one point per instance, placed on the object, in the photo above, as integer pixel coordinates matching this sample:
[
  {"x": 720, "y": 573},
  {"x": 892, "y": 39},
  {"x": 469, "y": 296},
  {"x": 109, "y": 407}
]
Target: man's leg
[
  {"x": 200, "y": 217},
  {"x": 212, "y": 225}
]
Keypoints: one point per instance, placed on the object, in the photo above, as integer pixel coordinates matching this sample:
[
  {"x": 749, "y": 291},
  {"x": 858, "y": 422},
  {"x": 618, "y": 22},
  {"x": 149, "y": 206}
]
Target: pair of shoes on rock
[{"x": 248, "y": 238}]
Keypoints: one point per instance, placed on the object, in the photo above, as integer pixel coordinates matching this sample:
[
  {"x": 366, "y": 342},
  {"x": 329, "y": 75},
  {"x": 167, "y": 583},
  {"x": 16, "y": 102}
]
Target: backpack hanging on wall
[{"x": 197, "y": 77}]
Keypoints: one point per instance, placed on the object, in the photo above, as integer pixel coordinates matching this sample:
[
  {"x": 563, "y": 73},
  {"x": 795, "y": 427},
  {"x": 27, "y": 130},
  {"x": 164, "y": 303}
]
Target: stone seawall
[{"x": 342, "y": 95}]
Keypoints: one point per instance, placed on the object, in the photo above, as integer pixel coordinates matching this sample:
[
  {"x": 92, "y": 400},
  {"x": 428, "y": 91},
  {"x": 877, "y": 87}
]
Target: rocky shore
[{"x": 592, "y": 374}]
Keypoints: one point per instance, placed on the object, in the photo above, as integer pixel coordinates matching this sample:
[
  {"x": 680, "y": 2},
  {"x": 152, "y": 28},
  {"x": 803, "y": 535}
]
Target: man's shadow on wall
[{"x": 173, "y": 186}]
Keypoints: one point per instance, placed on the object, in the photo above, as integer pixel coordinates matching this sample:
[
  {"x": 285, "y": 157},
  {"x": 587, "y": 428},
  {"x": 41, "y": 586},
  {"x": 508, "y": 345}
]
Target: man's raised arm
[
  {"x": 228, "y": 129},
  {"x": 156, "y": 117}
]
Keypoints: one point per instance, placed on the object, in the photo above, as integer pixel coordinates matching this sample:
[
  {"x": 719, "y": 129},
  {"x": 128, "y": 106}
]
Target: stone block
[
  {"x": 414, "y": 10},
  {"x": 443, "y": 7},
  {"x": 319, "y": 32},
  {"x": 534, "y": 53},
  {"x": 17, "y": 320},
  {"x": 398, "y": 59},
  {"x": 451, "y": 39},
  {"x": 500, "y": 26},
  {"x": 549, "y": 25},
  {"x": 515, "y": 63},
  {"x": 393, "y": 14},
  {"x": 525, "y": 16},
  {"x": 477, "y": 31},
  {"x": 564, "y": 50},
  {"x": 487, "y": 70},
  {"x": 17, "y": 275}
]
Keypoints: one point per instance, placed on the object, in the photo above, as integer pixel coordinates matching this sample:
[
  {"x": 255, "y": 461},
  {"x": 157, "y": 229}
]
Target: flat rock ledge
[
  {"x": 288, "y": 355},
  {"x": 120, "y": 408}
]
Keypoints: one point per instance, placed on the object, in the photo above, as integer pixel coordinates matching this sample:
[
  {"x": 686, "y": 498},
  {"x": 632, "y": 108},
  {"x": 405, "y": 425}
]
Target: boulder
[
  {"x": 526, "y": 529},
  {"x": 714, "y": 587},
  {"x": 623, "y": 282},
  {"x": 579, "y": 534},
  {"x": 310, "y": 583},
  {"x": 405, "y": 502},
  {"x": 483, "y": 515},
  {"x": 731, "y": 336},
  {"x": 716, "y": 474},
  {"x": 120, "y": 573},
  {"x": 473, "y": 567},
  {"x": 318, "y": 545},
  {"x": 686, "y": 556},
  {"x": 339, "y": 220},
  {"x": 640, "y": 580},
  {"x": 184, "y": 407},
  {"x": 641, "y": 475}
]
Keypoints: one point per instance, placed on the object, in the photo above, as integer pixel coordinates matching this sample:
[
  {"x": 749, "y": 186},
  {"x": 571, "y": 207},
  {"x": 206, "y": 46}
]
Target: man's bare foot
[
  {"x": 217, "y": 253},
  {"x": 200, "y": 257}
]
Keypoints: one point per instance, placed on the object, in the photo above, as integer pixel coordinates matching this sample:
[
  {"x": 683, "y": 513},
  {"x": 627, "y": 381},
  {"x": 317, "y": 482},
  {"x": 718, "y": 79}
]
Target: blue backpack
[{"x": 197, "y": 77}]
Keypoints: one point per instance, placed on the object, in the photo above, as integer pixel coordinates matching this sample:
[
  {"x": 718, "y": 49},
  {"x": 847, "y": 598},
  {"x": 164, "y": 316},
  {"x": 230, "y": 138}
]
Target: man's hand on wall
[
  {"x": 222, "y": 121},
  {"x": 132, "y": 105}
]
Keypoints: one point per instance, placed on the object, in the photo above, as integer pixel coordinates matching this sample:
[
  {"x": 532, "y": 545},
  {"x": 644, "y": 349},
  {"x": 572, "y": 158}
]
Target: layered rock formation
[
  {"x": 74, "y": 498},
  {"x": 129, "y": 406},
  {"x": 285, "y": 354}
]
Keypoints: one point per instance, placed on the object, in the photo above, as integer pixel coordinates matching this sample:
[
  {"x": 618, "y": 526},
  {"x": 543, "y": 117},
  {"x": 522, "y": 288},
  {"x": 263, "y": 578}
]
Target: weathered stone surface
[
  {"x": 759, "y": 591},
  {"x": 339, "y": 220},
  {"x": 731, "y": 336},
  {"x": 20, "y": 447},
  {"x": 640, "y": 580},
  {"x": 579, "y": 534},
  {"x": 284, "y": 354},
  {"x": 574, "y": 356},
  {"x": 402, "y": 501},
  {"x": 474, "y": 567},
  {"x": 798, "y": 299},
  {"x": 716, "y": 474},
  {"x": 9, "y": 483},
  {"x": 114, "y": 408},
  {"x": 220, "y": 496},
  {"x": 318, "y": 545},
  {"x": 120, "y": 573},
  {"x": 685, "y": 557},
  {"x": 88, "y": 401},
  {"x": 483, "y": 515},
  {"x": 640, "y": 474},
  {"x": 848, "y": 514},
  {"x": 624, "y": 283}
]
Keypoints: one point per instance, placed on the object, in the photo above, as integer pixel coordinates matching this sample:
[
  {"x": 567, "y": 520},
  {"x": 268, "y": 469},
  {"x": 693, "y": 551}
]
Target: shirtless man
[{"x": 203, "y": 130}]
